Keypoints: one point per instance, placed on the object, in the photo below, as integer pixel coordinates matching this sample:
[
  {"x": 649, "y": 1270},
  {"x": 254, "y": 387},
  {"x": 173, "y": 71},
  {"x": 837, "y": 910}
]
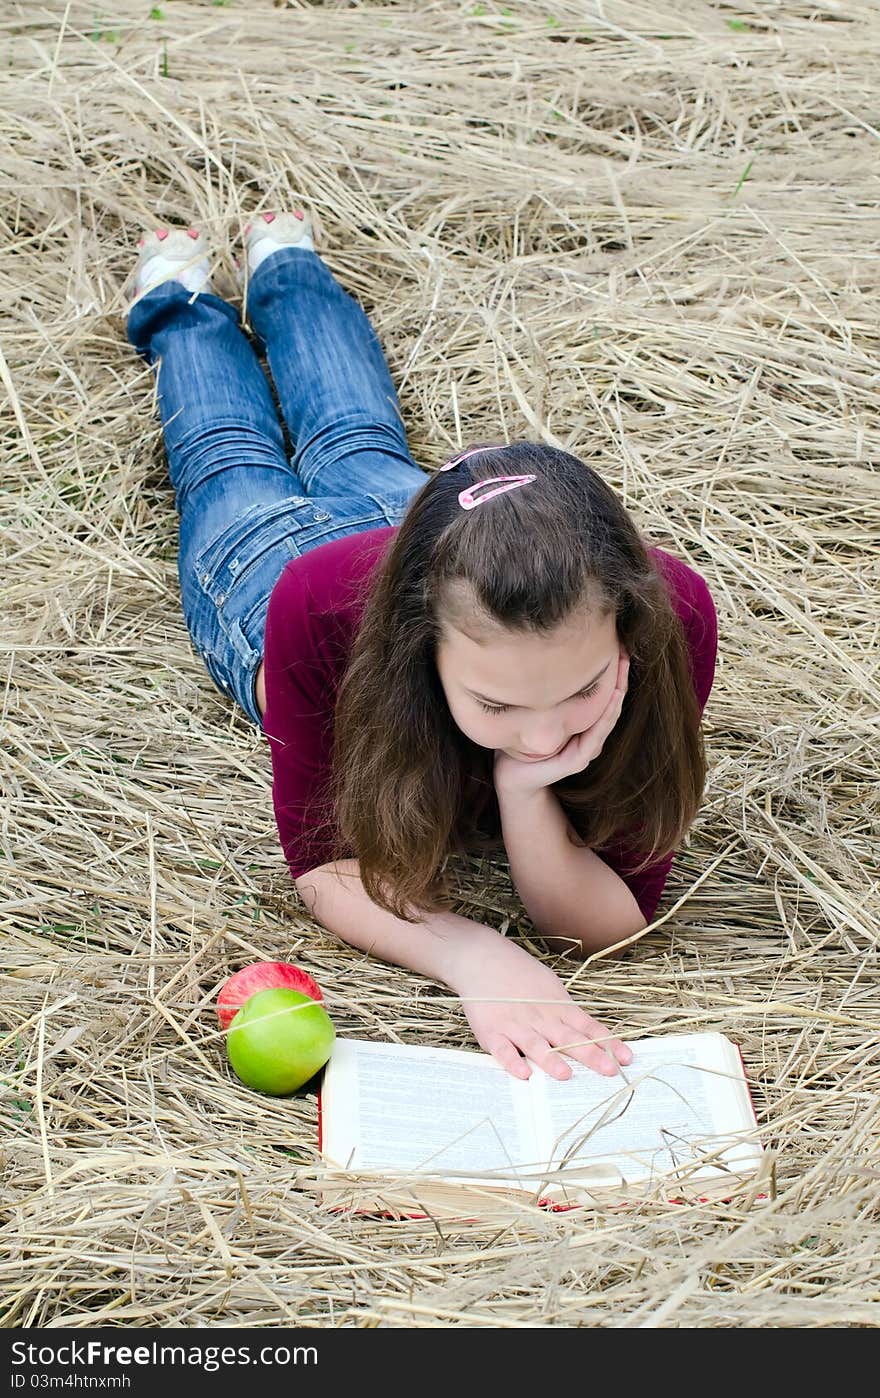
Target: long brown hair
[{"x": 407, "y": 788}]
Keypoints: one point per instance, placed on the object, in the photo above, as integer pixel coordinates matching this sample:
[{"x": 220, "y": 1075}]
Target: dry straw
[{"x": 644, "y": 232}]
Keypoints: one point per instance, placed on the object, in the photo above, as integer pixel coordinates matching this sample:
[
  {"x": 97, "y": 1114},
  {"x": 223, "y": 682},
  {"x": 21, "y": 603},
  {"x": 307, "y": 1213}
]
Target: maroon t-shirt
[{"x": 314, "y": 612}]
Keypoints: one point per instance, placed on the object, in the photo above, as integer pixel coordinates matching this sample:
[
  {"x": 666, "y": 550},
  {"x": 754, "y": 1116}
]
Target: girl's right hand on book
[{"x": 517, "y": 1007}]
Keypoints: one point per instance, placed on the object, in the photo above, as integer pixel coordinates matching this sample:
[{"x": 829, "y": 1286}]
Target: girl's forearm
[
  {"x": 568, "y": 891},
  {"x": 437, "y": 946}
]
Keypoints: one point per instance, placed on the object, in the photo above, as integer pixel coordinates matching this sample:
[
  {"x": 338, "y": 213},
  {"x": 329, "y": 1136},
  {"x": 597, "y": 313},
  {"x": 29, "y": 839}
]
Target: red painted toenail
[
  {"x": 268, "y": 218},
  {"x": 141, "y": 242},
  {"x": 161, "y": 234},
  {"x": 192, "y": 232},
  {"x": 298, "y": 213}
]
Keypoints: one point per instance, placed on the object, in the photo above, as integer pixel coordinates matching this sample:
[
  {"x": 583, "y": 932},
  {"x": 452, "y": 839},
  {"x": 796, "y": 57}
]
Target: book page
[
  {"x": 682, "y": 1098},
  {"x": 395, "y": 1108}
]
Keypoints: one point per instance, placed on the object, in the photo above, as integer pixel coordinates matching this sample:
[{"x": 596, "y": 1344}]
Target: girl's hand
[
  {"x": 514, "y": 776},
  {"x": 516, "y": 1006}
]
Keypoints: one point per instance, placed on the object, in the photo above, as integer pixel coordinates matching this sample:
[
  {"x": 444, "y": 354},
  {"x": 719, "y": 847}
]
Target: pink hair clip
[
  {"x": 466, "y": 497},
  {"x": 475, "y": 451}
]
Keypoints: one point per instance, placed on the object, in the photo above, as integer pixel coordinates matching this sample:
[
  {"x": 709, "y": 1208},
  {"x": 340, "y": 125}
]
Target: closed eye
[{"x": 502, "y": 708}]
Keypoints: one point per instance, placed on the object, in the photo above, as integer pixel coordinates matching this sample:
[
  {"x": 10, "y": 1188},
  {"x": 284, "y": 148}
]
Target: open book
[{"x": 421, "y": 1129}]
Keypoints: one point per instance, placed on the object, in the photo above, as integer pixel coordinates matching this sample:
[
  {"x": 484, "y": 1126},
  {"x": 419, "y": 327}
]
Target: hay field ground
[{"x": 646, "y": 232}]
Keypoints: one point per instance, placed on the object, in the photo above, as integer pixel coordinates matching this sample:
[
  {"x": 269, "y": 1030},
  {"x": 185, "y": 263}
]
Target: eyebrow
[{"x": 502, "y": 704}]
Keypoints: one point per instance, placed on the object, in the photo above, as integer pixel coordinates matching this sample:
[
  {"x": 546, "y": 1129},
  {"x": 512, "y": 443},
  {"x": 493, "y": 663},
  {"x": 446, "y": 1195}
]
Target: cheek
[
  {"x": 477, "y": 726},
  {"x": 591, "y": 710},
  {"x": 486, "y": 730},
  {"x": 597, "y": 703}
]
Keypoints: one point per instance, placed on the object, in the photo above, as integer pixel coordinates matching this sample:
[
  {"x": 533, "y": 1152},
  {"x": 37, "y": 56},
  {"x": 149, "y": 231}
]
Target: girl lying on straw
[{"x": 485, "y": 657}]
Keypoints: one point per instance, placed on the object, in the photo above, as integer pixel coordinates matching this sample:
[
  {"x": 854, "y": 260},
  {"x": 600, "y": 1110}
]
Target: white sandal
[
  {"x": 172, "y": 254},
  {"x": 284, "y": 230}
]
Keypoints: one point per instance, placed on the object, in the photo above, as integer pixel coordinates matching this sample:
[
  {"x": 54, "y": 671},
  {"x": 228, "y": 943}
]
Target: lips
[{"x": 540, "y": 757}]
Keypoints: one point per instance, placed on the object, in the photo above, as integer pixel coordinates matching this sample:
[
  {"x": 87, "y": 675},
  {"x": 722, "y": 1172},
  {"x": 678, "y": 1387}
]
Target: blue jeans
[{"x": 245, "y": 509}]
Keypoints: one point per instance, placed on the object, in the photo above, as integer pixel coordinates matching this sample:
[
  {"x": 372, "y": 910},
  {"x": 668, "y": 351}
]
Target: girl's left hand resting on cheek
[{"x": 512, "y": 776}]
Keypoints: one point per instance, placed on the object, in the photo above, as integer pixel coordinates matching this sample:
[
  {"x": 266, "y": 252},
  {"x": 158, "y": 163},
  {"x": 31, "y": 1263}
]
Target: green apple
[{"x": 279, "y": 1039}]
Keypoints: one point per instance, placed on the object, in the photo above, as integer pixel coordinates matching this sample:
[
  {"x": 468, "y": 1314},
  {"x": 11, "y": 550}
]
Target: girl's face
[{"x": 541, "y": 690}]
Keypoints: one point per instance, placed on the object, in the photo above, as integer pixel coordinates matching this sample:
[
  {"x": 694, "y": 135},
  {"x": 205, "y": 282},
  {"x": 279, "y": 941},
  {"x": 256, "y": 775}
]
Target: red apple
[{"x": 263, "y": 975}]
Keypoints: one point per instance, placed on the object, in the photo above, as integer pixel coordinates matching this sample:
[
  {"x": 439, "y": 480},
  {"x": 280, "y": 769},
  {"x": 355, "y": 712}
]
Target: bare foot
[{"x": 260, "y": 689}]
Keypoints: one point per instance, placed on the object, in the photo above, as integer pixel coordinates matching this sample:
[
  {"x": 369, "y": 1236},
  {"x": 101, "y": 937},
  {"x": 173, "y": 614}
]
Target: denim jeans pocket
[
  {"x": 394, "y": 503},
  {"x": 225, "y": 564}
]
